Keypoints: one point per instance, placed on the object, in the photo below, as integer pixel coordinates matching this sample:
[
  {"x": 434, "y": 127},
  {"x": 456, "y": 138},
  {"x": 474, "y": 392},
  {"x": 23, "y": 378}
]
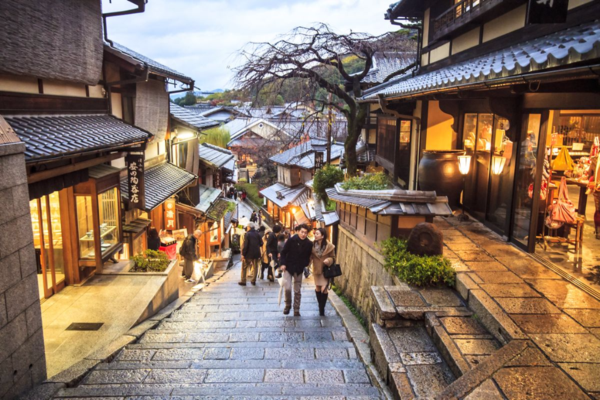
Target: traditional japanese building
[{"x": 508, "y": 85}]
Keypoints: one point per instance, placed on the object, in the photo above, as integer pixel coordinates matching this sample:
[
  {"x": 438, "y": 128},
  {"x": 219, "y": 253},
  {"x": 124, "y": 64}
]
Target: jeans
[
  {"x": 253, "y": 264},
  {"x": 287, "y": 285}
]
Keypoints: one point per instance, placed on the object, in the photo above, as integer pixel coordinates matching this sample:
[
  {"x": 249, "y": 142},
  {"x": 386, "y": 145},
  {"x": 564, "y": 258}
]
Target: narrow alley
[{"x": 234, "y": 341}]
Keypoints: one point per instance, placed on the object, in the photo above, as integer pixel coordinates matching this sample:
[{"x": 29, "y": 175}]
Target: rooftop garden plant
[
  {"x": 150, "y": 261},
  {"x": 376, "y": 181},
  {"x": 326, "y": 177},
  {"x": 416, "y": 270}
]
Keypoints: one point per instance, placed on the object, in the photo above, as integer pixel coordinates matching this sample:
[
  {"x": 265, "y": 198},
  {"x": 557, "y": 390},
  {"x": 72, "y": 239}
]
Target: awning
[
  {"x": 559, "y": 49},
  {"x": 208, "y": 196},
  {"x": 49, "y": 137},
  {"x": 283, "y": 196},
  {"x": 160, "y": 183}
]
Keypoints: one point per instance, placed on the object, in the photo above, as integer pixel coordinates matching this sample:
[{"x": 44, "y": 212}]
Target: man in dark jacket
[
  {"x": 189, "y": 254},
  {"x": 293, "y": 258},
  {"x": 270, "y": 240},
  {"x": 251, "y": 254}
]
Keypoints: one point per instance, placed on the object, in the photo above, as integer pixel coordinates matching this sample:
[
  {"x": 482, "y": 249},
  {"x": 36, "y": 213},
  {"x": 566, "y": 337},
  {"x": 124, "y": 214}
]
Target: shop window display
[{"x": 108, "y": 207}]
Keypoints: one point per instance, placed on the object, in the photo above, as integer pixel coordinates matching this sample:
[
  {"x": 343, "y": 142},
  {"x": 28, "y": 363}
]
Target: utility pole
[{"x": 329, "y": 127}]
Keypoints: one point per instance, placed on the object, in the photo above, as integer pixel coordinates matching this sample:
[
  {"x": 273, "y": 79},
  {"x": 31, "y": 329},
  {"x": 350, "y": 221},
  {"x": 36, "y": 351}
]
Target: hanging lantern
[
  {"x": 498, "y": 164},
  {"x": 464, "y": 164}
]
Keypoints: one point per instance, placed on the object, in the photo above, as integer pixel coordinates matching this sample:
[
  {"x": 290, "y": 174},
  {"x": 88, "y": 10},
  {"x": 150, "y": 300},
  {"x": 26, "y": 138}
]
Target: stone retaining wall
[
  {"x": 362, "y": 267},
  {"x": 22, "y": 360}
]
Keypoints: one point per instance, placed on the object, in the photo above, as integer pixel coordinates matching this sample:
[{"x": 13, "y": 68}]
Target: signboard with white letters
[
  {"x": 547, "y": 11},
  {"x": 135, "y": 179},
  {"x": 170, "y": 215}
]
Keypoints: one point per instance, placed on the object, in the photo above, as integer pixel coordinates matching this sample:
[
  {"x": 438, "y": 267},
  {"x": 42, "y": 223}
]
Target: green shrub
[
  {"x": 252, "y": 192},
  {"x": 416, "y": 270},
  {"x": 377, "y": 181},
  {"x": 331, "y": 205},
  {"x": 326, "y": 178},
  {"x": 150, "y": 261},
  {"x": 218, "y": 136}
]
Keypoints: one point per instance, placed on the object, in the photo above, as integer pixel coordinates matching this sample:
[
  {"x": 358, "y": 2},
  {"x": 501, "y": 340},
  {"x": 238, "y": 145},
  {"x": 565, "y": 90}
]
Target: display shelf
[{"x": 105, "y": 233}]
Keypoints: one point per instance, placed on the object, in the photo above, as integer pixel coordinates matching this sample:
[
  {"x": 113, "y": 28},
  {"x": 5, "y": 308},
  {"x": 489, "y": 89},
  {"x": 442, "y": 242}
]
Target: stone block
[
  {"x": 496, "y": 321},
  {"x": 6, "y": 376},
  {"x": 20, "y": 198},
  {"x": 462, "y": 326},
  {"x": 400, "y": 385},
  {"x": 34, "y": 318},
  {"x": 476, "y": 346},
  {"x": 12, "y": 336},
  {"x": 384, "y": 305},
  {"x": 464, "y": 284},
  {"x": 547, "y": 323},
  {"x": 518, "y": 305},
  {"x": 441, "y": 297},
  {"x": 383, "y": 350},
  {"x": 30, "y": 353},
  {"x": 3, "y": 318},
  {"x": 10, "y": 269},
  {"x": 45, "y": 391},
  {"x": 449, "y": 351},
  {"x": 28, "y": 261},
  {"x": 13, "y": 171},
  {"x": 429, "y": 380},
  {"x": 538, "y": 383},
  {"x": 486, "y": 391},
  {"x": 584, "y": 374},
  {"x": 570, "y": 348},
  {"x": 7, "y": 212},
  {"x": 39, "y": 372},
  {"x": 21, "y": 386},
  {"x": 74, "y": 373},
  {"x": 17, "y": 234},
  {"x": 21, "y": 296}
]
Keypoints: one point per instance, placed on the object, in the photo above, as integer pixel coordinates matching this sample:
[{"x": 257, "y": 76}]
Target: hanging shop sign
[
  {"x": 170, "y": 215},
  {"x": 217, "y": 182},
  {"x": 135, "y": 179},
  {"x": 318, "y": 160},
  {"x": 547, "y": 11}
]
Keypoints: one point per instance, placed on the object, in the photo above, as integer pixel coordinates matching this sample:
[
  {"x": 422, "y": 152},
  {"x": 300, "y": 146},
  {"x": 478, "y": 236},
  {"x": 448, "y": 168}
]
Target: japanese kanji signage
[
  {"x": 135, "y": 179},
  {"x": 318, "y": 160},
  {"x": 217, "y": 179},
  {"x": 547, "y": 11},
  {"x": 170, "y": 215}
]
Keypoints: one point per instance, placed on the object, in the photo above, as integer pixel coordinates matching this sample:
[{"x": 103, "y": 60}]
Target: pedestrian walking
[
  {"x": 281, "y": 239},
  {"x": 253, "y": 217},
  {"x": 235, "y": 195},
  {"x": 153, "y": 239},
  {"x": 244, "y": 195},
  {"x": 189, "y": 254},
  {"x": 323, "y": 253},
  {"x": 294, "y": 258},
  {"x": 251, "y": 254}
]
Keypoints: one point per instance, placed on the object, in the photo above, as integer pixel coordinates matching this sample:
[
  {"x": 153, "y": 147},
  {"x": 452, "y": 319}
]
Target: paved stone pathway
[{"x": 230, "y": 341}]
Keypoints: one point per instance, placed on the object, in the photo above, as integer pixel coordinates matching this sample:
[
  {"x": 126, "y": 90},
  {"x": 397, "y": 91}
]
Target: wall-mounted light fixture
[
  {"x": 464, "y": 165},
  {"x": 498, "y": 164}
]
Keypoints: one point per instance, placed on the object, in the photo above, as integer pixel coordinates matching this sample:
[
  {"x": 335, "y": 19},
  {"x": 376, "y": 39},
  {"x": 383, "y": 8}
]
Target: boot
[
  {"x": 322, "y": 303},
  {"x": 319, "y": 301}
]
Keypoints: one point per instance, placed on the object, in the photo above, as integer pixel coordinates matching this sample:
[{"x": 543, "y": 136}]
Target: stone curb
[
  {"x": 360, "y": 338},
  {"x": 74, "y": 374}
]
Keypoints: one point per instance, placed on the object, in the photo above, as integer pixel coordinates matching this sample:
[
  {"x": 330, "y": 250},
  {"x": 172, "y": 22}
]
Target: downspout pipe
[{"x": 141, "y": 7}]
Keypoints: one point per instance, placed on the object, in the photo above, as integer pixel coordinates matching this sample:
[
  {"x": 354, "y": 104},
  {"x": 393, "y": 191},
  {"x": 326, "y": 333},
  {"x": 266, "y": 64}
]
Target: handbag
[
  {"x": 563, "y": 161},
  {"x": 563, "y": 210},
  {"x": 332, "y": 271}
]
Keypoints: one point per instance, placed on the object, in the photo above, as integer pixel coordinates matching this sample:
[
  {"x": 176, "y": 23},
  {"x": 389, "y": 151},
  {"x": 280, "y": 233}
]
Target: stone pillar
[{"x": 22, "y": 359}]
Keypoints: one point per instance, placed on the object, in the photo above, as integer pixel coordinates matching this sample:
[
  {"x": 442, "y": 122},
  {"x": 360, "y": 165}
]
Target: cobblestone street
[{"x": 231, "y": 341}]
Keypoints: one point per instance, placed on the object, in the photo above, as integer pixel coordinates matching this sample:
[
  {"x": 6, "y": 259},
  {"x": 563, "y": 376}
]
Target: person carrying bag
[
  {"x": 563, "y": 211},
  {"x": 323, "y": 259}
]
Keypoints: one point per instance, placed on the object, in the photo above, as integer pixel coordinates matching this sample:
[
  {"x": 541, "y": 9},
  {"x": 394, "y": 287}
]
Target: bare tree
[{"x": 310, "y": 54}]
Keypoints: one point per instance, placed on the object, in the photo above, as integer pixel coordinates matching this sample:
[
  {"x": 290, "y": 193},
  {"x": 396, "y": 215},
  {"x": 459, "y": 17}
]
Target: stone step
[
  {"x": 222, "y": 389},
  {"x": 174, "y": 327},
  {"x": 294, "y": 345},
  {"x": 286, "y": 337},
  {"x": 267, "y": 324},
  {"x": 268, "y": 363}
]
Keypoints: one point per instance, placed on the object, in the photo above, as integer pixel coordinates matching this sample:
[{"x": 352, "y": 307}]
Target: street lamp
[
  {"x": 498, "y": 164},
  {"x": 464, "y": 165}
]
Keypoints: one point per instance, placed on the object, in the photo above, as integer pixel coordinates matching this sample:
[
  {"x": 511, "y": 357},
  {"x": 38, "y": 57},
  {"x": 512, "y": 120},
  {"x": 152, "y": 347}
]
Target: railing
[{"x": 460, "y": 11}]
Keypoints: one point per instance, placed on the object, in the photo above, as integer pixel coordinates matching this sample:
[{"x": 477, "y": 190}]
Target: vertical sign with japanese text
[
  {"x": 135, "y": 179},
  {"x": 547, "y": 11},
  {"x": 170, "y": 214},
  {"x": 217, "y": 180}
]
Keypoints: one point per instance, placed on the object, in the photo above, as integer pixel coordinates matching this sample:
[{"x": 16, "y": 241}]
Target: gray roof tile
[
  {"x": 160, "y": 182},
  {"x": 303, "y": 155},
  {"x": 215, "y": 155},
  {"x": 187, "y": 117},
  {"x": 53, "y": 136},
  {"x": 284, "y": 196},
  {"x": 155, "y": 66},
  {"x": 579, "y": 43}
]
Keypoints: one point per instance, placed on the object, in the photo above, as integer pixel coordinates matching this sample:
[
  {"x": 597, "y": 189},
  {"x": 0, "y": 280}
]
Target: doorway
[{"x": 46, "y": 224}]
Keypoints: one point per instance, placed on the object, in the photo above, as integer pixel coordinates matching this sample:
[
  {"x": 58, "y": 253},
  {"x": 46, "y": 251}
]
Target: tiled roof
[
  {"x": 187, "y": 117},
  {"x": 160, "y": 182},
  {"x": 393, "y": 202},
  {"x": 53, "y": 136},
  {"x": 208, "y": 196},
  {"x": 576, "y": 44},
  {"x": 303, "y": 155},
  {"x": 155, "y": 66},
  {"x": 385, "y": 64},
  {"x": 218, "y": 209},
  {"x": 284, "y": 196},
  {"x": 215, "y": 155}
]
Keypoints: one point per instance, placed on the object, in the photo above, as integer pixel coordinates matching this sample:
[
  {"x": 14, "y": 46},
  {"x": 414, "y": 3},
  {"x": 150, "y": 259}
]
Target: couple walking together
[{"x": 298, "y": 253}]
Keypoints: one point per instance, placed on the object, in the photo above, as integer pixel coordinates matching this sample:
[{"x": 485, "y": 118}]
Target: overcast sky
[{"x": 201, "y": 38}]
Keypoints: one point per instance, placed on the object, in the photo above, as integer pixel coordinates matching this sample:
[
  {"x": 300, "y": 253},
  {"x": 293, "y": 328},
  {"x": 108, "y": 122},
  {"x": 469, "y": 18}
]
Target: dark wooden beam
[
  {"x": 25, "y": 103},
  {"x": 40, "y": 176}
]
